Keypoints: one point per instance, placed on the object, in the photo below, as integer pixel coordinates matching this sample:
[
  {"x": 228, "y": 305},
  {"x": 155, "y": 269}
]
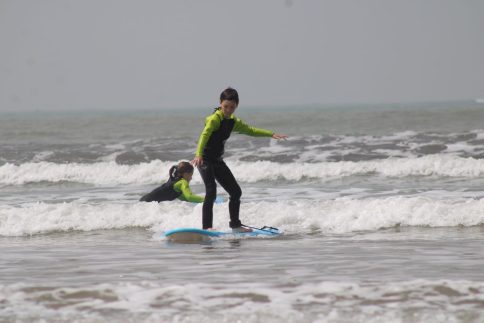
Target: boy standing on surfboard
[{"x": 208, "y": 157}]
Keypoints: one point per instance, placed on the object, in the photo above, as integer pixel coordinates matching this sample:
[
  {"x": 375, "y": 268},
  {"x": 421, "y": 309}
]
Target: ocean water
[{"x": 381, "y": 206}]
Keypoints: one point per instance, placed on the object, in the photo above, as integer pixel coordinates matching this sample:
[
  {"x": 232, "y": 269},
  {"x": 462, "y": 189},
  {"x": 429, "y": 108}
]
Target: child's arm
[
  {"x": 243, "y": 128},
  {"x": 212, "y": 123},
  {"x": 187, "y": 195}
]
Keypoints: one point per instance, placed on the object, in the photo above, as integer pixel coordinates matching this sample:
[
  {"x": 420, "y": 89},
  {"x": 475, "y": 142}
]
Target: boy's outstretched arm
[{"x": 243, "y": 128}]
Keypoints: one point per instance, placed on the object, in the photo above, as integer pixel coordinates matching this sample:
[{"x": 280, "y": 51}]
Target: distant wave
[
  {"x": 111, "y": 173},
  {"x": 308, "y": 148},
  {"x": 340, "y": 215}
]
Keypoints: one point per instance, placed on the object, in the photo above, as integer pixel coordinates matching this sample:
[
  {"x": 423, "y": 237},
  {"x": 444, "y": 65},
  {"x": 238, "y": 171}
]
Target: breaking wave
[
  {"x": 111, "y": 173},
  {"x": 340, "y": 215}
]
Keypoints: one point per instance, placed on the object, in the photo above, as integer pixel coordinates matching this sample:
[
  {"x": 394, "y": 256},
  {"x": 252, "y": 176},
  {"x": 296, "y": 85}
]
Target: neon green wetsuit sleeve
[
  {"x": 187, "y": 195},
  {"x": 212, "y": 123},
  {"x": 243, "y": 128}
]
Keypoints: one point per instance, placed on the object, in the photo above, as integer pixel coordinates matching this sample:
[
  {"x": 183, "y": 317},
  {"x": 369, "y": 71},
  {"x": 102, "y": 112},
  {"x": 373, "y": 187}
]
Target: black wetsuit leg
[
  {"x": 208, "y": 175},
  {"x": 212, "y": 171}
]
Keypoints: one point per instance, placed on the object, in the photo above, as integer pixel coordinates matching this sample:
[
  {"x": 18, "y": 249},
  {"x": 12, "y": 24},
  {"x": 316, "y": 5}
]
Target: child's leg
[
  {"x": 225, "y": 178},
  {"x": 207, "y": 173}
]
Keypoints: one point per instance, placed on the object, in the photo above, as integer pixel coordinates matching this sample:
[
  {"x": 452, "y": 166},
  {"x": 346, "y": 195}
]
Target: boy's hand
[
  {"x": 279, "y": 136},
  {"x": 197, "y": 161}
]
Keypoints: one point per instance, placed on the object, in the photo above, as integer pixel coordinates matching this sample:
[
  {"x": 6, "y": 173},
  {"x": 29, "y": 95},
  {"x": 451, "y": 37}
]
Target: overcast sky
[{"x": 100, "y": 54}]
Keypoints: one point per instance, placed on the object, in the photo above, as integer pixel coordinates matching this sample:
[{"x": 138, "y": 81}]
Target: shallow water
[{"x": 133, "y": 274}]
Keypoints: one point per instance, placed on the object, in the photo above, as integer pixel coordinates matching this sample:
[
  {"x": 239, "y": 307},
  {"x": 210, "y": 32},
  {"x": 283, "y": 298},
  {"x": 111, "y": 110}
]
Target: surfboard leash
[{"x": 264, "y": 228}]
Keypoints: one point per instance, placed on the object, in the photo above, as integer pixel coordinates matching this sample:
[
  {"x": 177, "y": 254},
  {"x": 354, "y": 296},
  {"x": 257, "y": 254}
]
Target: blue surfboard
[{"x": 197, "y": 235}]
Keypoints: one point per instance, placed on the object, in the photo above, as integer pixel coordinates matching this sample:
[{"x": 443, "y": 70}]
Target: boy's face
[{"x": 228, "y": 108}]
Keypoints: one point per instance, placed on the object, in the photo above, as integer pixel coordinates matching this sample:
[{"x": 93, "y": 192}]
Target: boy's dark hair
[
  {"x": 230, "y": 94},
  {"x": 176, "y": 172}
]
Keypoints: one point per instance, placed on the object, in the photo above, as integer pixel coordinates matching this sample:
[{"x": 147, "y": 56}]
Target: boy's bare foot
[{"x": 241, "y": 229}]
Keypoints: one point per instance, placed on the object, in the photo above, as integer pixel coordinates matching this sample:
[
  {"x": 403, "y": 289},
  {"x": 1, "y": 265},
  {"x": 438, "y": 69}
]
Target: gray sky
[{"x": 118, "y": 54}]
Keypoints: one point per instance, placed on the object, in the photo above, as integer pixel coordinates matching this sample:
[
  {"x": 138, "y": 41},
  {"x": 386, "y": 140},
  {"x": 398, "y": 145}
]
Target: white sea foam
[
  {"x": 96, "y": 173},
  {"x": 111, "y": 173},
  {"x": 340, "y": 215},
  {"x": 42, "y": 156},
  {"x": 44, "y": 218},
  {"x": 413, "y": 301},
  {"x": 479, "y": 134},
  {"x": 460, "y": 146}
]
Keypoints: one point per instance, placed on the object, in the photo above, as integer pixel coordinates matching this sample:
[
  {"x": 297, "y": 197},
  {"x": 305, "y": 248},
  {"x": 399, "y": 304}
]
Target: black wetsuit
[
  {"x": 217, "y": 130},
  {"x": 214, "y": 168},
  {"x": 165, "y": 192}
]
